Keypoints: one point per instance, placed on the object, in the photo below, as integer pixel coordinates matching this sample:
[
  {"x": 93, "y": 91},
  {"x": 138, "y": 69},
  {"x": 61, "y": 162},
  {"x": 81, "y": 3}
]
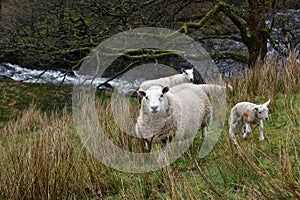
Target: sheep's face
[
  {"x": 189, "y": 74},
  {"x": 262, "y": 111},
  {"x": 155, "y": 101}
]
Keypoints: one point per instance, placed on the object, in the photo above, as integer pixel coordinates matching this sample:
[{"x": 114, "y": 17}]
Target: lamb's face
[
  {"x": 155, "y": 101},
  {"x": 262, "y": 112},
  {"x": 189, "y": 74}
]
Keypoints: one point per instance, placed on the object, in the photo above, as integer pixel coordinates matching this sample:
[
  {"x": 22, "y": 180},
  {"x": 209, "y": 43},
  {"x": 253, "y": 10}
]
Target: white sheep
[
  {"x": 215, "y": 89},
  {"x": 182, "y": 109},
  {"x": 186, "y": 76},
  {"x": 249, "y": 113}
]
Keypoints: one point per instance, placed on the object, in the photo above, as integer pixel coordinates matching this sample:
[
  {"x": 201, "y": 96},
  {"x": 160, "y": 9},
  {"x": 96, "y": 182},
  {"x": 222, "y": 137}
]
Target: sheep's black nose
[
  {"x": 154, "y": 109},
  {"x": 191, "y": 80},
  {"x": 267, "y": 118}
]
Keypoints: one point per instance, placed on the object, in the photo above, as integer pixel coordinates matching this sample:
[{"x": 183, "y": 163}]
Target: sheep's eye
[
  {"x": 147, "y": 98},
  {"x": 259, "y": 112},
  {"x": 161, "y": 96}
]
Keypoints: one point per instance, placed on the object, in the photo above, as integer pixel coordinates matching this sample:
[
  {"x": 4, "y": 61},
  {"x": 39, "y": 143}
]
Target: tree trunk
[
  {"x": 0, "y": 8},
  {"x": 257, "y": 40}
]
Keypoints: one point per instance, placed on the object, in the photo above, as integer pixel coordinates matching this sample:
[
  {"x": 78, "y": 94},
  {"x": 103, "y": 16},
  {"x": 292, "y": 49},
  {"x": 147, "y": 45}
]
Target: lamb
[
  {"x": 250, "y": 113},
  {"x": 182, "y": 109},
  {"x": 187, "y": 76}
]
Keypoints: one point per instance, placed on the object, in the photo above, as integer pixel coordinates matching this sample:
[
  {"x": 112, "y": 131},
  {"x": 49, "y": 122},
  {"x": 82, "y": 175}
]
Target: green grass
[
  {"x": 16, "y": 96},
  {"x": 42, "y": 157}
]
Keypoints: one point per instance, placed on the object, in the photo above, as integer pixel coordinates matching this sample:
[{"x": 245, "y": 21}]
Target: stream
[{"x": 18, "y": 73}]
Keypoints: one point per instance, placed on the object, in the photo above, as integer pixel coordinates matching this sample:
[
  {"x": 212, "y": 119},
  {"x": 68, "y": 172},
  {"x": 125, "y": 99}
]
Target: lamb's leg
[
  {"x": 234, "y": 120},
  {"x": 232, "y": 129},
  {"x": 261, "y": 133},
  {"x": 246, "y": 130}
]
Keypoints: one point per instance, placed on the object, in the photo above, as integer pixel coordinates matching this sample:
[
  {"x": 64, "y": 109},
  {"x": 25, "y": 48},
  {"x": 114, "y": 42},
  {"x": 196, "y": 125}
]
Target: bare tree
[
  {"x": 0, "y": 8},
  {"x": 250, "y": 23},
  {"x": 60, "y": 33}
]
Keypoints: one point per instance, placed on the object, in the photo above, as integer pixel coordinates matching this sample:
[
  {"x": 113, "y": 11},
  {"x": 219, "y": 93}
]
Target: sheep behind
[
  {"x": 215, "y": 89},
  {"x": 186, "y": 76}
]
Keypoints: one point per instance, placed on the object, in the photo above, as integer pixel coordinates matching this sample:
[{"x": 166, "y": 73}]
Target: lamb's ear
[
  {"x": 194, "y": 69},
  {"x": 141, "y": 93},
  {"x": 165, "y": 90},
  {"x": 183, "y": 70},
  {"x": 267, "y": 103}
]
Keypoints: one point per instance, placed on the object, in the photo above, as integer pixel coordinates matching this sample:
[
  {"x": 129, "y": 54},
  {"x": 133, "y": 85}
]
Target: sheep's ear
[
  {"x": 183, "y": 70},
  {"x": 267, "y": 103},
  {"x": 194, "y": 69},
  {"x": 141, "y": 93},
  {"x": 165, "y": 90}
]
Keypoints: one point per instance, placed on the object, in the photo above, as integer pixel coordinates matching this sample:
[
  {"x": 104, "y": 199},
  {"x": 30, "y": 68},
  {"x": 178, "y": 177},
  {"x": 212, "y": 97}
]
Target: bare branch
[
  {"x": 229, "y": 54},
  {"x": 118, "y": 74}
]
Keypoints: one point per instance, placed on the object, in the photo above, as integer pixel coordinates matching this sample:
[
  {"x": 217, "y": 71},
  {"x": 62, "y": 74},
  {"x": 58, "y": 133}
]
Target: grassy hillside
[
  {"x": 42, "y": 156},
  {"x": 17, "y": 96}
]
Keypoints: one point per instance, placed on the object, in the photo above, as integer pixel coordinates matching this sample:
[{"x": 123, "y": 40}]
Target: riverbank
[
  {"x": 16, "y": 97},
  {"x": 42, "y": 155}
]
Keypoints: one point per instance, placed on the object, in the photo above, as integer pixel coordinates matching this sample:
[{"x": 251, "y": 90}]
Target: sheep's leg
[
  {"x": 161, "y": 155},
  {"x": 261, "y": 133},
  {"x": 246, "y": 130},
  {"x": 232, "y": 129},
  {"x": 147, "y": 146},
  {"x": 181, "y": 142},
  {"x": 203, "y": 132},
  {"x": 234, "y": 120}
]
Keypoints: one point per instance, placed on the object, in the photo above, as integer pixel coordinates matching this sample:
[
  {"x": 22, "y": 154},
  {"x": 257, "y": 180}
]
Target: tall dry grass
[
  {"x": 268, "y": 78},
  {"x": 42, "y": 157},
  {"x": 272, "y": 167}
]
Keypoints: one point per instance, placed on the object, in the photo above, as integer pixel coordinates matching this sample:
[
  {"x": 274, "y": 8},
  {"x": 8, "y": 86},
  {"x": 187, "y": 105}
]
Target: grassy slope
[
  {"x": 224, "y": 171},
  {"x": 51, "y": 161},
  {"x": 17, "y": 96}
]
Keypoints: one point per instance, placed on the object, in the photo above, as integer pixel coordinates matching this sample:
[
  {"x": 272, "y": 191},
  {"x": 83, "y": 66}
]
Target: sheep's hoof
[{"x": 261, "y": 138}]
